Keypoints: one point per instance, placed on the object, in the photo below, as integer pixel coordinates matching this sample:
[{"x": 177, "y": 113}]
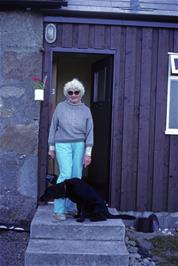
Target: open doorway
[{"x": 95, "y": 72}]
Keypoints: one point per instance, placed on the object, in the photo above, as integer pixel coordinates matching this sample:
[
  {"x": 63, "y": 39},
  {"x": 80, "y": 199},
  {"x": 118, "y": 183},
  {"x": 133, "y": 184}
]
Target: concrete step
[
  {"x": 44, "y": 226},
  {"x": 52, "y": 252}
]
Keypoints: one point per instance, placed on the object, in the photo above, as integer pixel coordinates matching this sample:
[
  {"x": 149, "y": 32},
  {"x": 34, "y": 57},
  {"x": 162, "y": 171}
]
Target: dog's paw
[{"x": 76, "y": 216}]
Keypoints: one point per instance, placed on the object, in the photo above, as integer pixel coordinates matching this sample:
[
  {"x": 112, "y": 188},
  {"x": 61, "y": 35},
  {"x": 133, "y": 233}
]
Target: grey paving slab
[
  {"x": 75, "y": 252},
  {"x": 45, "y": 226}
]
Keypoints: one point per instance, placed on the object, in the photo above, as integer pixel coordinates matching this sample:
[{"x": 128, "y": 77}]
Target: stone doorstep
[
  {"x": 76, "y": 252},
  {"x": 64, "y": 243},
  {"x": 44, "y": 226}
]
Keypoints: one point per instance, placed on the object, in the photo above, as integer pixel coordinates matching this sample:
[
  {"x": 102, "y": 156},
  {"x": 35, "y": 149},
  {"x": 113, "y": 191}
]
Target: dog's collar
[{"x": 65, "y": 190}]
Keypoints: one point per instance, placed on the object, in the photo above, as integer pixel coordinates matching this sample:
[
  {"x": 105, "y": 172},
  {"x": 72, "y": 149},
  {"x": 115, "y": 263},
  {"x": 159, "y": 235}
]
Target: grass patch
[
  {"x": 168, "y": 261},
  {"x": 165, "y": 249}
]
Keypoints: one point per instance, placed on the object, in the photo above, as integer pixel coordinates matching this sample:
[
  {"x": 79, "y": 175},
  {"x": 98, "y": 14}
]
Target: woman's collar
[{"x": 79, "y": 103}]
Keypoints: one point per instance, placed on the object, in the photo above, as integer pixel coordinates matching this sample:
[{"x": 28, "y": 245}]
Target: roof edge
[
  {"x": 109, "y": 15},
  {"x": 37, "y": 4}
]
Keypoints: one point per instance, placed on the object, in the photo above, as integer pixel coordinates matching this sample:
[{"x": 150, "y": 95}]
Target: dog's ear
[{"x": 51, "y": 179}]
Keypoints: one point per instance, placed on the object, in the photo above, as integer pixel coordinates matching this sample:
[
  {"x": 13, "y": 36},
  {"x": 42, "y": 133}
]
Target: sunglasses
[{"x": 73, "y": 92}]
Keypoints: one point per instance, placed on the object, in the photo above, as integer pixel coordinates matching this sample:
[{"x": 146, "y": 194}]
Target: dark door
[{"x": 101, "y": 104}]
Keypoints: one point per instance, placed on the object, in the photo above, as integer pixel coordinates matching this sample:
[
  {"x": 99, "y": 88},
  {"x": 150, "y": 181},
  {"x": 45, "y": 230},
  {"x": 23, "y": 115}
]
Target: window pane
[
  {"x": 100, "y": 85},
  {"x": 95, "y": 93},
  {"x": 173, "y": 115},
  {"x": 176, "y": 63}
]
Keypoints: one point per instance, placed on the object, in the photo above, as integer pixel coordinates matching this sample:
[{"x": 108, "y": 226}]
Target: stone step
[
  {"x": 51, "y": 252},
  {"x": 44, "y": 226}
]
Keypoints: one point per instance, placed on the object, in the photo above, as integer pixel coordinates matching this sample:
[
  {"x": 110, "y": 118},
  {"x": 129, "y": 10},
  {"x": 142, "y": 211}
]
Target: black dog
[{"x": 89, "y": 203}]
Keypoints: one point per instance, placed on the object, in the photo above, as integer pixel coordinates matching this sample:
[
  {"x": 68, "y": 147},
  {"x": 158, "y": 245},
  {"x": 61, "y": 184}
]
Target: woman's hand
[
  {"x": 87, "y": 160},
  {"x": 51, "y": 153}
]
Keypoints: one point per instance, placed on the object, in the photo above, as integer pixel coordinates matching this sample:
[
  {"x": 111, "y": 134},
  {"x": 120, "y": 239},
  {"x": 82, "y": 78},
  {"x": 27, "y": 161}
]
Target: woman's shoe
[{"x": 59, "y": 216}]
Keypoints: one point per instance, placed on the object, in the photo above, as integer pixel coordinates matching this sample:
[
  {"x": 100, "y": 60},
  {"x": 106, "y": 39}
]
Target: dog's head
[
  {"x": 48, "y": 195},
  {"x": 54, "y": 192}
]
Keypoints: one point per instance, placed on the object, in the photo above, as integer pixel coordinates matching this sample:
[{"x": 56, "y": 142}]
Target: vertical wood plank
[
  {"x": 99, "y": 36},
  {"x": 135, "y": 139},
  {"x": 75, "y": 32},
  {"x": 173, "y": 175},
  {"x": 161, "y": 151},
  {"x": 116, "y": 37},
  {"x": 118, "y": 40},
  {"x": 154, "y": 60},
  {"x": 107, "y": 37},
  {"x": 173, "y": 164},
  {"x": 117, "y": 114},
  {"x": 144, "y": 121},
  {"x": 91, "y": 36},
  {"x": 67, "y": 35},
  {"x": 83, "y": 36},
  {"x": 128, "y": 175},
  {"x": 59, "y": 35}
]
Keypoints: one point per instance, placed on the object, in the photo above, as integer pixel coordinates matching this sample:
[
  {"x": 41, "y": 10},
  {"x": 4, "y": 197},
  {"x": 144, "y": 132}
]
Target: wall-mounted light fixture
[{"x": 50, "y": 33}]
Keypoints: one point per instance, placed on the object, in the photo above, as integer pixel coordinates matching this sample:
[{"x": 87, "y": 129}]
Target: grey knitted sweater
[{"x": 71, "y": 123}]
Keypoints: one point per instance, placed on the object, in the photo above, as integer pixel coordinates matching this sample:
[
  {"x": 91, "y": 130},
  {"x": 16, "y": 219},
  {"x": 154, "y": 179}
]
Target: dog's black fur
[{"x": 89, "y": 203}]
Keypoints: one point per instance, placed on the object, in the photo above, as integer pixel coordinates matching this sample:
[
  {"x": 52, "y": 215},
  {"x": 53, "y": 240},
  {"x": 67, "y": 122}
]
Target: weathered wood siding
[{"x": 144, "y": 159}]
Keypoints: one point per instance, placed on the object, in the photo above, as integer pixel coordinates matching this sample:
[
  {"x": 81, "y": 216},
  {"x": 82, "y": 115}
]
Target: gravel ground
[{"x": 12, "y": 247}]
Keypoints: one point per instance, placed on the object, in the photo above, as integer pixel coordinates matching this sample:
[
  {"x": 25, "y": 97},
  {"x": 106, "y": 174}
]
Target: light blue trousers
[{"x": 70, "y": 161}]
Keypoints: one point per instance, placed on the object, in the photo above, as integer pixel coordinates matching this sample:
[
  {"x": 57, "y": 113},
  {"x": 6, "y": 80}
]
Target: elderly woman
[{"x": 70, "y": 140}]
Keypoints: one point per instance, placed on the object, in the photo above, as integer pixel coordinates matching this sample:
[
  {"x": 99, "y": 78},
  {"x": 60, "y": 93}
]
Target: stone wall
[{"x": 21, "y": 38}]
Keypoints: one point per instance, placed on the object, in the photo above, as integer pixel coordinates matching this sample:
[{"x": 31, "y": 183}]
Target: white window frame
[
  {"x": 173, "y": 66},
  {"x": 172, "y": 75}
]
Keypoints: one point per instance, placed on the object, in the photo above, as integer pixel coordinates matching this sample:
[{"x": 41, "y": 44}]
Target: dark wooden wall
[{"x": 144, "y": 160}]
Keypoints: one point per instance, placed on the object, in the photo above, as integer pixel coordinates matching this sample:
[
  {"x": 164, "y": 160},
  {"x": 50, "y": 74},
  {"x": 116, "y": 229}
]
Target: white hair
[{"x": 74, "y": 84}]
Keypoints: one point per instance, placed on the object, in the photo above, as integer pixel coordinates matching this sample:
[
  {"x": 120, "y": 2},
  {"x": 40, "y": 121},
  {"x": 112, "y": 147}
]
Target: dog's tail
[{"x": 120, "y": 216}]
